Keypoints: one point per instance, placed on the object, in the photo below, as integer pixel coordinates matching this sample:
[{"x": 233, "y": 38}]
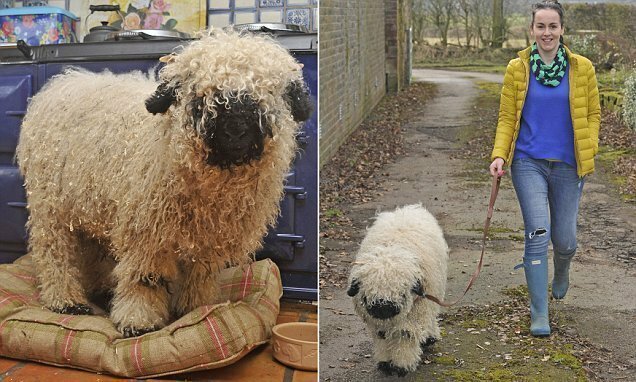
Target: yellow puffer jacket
[{"x": 584, "y": 108}]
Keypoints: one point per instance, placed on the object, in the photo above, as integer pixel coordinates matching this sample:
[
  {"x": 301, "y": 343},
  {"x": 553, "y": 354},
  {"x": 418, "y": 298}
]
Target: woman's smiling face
[{"x": 547, "y": 30}]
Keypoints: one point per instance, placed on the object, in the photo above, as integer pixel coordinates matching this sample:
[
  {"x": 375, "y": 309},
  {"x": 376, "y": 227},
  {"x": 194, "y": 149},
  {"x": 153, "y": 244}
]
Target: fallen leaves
[{"x": 354, "y": 175}]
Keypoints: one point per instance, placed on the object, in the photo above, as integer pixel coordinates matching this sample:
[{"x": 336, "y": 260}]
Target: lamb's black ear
[
  {"x": 297, "y": 97},
  {"x": 354, "y": 288},
  {"x": 161, "y": 99},
  {"x": 418, "y": 289}
]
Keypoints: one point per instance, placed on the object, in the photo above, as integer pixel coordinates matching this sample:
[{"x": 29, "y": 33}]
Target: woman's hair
[{"x": 548, "y": 4}]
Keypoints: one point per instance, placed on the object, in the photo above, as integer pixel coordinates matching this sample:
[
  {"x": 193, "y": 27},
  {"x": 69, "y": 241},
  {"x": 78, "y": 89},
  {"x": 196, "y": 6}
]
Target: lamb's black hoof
[
  {"x": 388, "y": 368},
  {"x": 129, "y": 331},
  {"x": 429, "y": 341},
  {"x": 77, "y": 310}
]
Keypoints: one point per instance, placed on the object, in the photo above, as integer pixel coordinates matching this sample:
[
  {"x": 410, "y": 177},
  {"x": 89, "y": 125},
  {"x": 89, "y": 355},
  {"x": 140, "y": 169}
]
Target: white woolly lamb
[
  {"x": 147, "y": 189},
  {"x": 402, "y": 257}
]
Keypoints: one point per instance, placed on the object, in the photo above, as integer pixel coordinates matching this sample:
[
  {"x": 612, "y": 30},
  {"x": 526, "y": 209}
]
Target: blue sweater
[{"x": 546, "y": 130}]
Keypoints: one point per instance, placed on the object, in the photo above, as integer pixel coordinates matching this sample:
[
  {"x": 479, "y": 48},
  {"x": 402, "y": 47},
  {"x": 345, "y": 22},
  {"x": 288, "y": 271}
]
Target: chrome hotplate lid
[{"x": 305, "y": 43}]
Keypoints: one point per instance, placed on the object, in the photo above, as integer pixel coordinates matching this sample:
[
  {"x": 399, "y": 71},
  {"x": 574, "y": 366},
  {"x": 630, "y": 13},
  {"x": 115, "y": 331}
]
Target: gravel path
[{"x": 600, "y": 307}]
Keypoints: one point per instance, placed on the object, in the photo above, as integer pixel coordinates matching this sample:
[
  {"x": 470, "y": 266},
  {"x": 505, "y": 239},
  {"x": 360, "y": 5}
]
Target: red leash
[{"x": 496, "y": 180}]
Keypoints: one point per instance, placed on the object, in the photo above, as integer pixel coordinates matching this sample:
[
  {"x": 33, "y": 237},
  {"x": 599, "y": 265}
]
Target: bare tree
[
  {"x": 466, "y": 18},
  {"x": 481, "y": 21},
  {"x": 419, "y": 18},
  {"x": 441, "y": 14},
  {"x": 498, "y": 24}
]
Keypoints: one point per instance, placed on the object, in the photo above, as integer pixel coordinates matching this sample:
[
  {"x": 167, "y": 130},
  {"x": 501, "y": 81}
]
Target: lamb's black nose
[
  {"x": 236, "y": 133},
  {"x": 383, "y": 309}
]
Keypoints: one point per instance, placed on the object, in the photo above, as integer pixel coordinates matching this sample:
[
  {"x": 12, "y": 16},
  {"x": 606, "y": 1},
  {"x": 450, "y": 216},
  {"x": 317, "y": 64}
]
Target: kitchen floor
[{"x": 258, "y": 365}]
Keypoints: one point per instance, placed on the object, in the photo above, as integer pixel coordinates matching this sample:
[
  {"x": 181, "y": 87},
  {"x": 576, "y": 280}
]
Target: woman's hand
[{"x": 496, "y": 167}]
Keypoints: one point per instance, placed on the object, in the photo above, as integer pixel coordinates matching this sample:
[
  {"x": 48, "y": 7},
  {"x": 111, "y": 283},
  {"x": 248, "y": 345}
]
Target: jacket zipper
[
  {"x": 579, "y": 165},
  {"x": 518, "y": 117}
]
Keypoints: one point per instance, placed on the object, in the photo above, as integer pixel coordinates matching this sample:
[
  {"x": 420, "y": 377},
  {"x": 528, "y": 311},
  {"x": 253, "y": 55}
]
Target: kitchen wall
[
  {"x": 299, "y": 12},
  {"x": 192, "y": 15}
]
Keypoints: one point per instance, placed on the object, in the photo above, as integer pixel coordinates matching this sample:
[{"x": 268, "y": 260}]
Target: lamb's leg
[
  {"x": 426, "y": 343},
  {"x": 141, "y": 300},
  {"x": 380, "y": 352},
  {"x": 56, "y": 252},
  {"x": 405, "y": 353},
  {"x": 429, "y": 328},
  {"x": 199, "y": 287}
]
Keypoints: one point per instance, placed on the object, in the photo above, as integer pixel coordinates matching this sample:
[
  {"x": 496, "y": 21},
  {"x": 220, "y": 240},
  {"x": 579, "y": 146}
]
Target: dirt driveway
[{"x": 485, "y": 337}]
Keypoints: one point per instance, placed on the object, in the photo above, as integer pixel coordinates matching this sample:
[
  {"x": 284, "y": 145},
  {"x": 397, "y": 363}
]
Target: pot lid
[
  {"x": 104, "y": 28},
  {"x": 272, "y": 27},
  {"x": 148, "y": 34}
]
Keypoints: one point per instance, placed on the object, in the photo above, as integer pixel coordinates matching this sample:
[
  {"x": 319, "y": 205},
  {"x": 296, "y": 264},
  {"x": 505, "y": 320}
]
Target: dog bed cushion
[{"x": 206, "y": 338}]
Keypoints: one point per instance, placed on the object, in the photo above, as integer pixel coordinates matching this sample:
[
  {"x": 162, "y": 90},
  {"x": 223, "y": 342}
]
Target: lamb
[
  {"x": 145, "y": 189},
  {"x": 402, "y": 257}
]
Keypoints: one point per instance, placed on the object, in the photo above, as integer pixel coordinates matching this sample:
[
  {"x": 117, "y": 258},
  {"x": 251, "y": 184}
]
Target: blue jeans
[{"x": 549, "y": 195}]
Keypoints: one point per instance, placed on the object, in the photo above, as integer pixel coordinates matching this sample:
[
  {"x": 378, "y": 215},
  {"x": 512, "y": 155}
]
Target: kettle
[{"x": 101, "y": 32}]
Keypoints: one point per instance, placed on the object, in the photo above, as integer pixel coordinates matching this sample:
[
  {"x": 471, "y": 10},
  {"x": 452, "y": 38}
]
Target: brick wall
[
  {"x": 363, "y": 54},
  {"x": 351, "y": 67}
]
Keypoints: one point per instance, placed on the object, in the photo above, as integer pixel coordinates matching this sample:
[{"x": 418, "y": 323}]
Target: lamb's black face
[
  {"x": 236, "y": 136},
  {"x": 385, "y": 308},
  {"x": 382, "y": 309}
]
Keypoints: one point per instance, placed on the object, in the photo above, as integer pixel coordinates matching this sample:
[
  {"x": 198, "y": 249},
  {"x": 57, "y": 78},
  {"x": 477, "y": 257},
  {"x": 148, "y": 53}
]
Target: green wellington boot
[
  {"x": 561, "y": 280},
  {"x": 536, "y": 270}
]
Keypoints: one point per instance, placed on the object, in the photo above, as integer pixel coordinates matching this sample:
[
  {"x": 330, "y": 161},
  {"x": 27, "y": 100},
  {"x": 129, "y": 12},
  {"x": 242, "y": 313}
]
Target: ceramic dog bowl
[{"x": 295, "y": 344}]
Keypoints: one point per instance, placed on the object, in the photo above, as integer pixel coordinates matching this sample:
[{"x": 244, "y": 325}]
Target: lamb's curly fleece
[
  {"x": 104, "y": 176},
  {"x": 400, "y": 248}
]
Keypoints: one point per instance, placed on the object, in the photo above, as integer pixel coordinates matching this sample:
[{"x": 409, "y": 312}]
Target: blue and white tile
[
  {"x": 271, "y": 3},
  {"x": 298, "y": 16},
  {"x": 297, "y": 2}
]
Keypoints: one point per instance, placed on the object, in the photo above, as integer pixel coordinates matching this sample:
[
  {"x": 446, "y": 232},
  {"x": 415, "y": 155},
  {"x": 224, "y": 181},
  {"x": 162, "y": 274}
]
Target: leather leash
[{"x": 491, "y": 205}]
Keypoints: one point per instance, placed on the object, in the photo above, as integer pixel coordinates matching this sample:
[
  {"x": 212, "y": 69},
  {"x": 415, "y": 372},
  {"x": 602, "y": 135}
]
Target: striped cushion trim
[{"x": 209, "y": 337}]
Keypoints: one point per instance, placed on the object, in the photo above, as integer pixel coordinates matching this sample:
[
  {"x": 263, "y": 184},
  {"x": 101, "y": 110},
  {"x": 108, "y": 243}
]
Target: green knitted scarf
[{"x": 548, "y": 75}]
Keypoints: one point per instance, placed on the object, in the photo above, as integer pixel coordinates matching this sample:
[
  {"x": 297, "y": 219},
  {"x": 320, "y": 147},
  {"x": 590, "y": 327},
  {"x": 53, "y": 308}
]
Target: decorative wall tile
[
  {"x": 244, "y": 3},
  {"x": 298, "y": 17},
  {"x": 219, "y": 20},
  {"x": 298, "y": 12},
  {"x": 272, "y": 3},
  {"x": 219, "y": 4},
  {"x": 271, "y": 16},
  {"x": 244, "y": 17}
]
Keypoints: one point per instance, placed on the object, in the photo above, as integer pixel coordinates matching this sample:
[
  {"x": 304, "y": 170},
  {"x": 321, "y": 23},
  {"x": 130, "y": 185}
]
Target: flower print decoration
[
  {"x": 7, "y": 31},
  {"x": 146, "y": 14},
  {"x": 37, "y": 29}
]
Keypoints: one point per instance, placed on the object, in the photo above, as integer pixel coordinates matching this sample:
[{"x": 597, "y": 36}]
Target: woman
[{"x": 549, "y": 119}]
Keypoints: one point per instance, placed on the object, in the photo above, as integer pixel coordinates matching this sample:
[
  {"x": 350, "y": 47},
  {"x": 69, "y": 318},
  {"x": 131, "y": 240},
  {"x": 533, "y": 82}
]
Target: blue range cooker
[{"x": 292, "y": 244}]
